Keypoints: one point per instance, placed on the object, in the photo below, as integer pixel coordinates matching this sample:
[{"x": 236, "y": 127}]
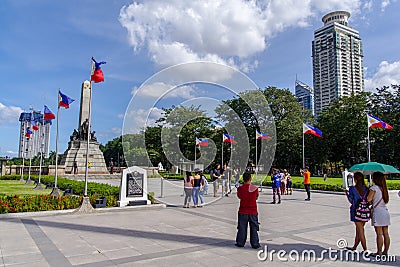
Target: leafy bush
[{"x": 11, "y": 204}]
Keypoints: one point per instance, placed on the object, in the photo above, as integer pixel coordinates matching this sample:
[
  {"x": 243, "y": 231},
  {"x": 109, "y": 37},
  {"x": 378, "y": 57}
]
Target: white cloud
[
  {"x": 137, "y": 120},
  {"x": 386, "y": 3},
  {"x": 9, "y": 114},
  {"x": 387, "y": 74},
  {"x": 227, "y": 31},
  {"x": 158, "y": 89}
]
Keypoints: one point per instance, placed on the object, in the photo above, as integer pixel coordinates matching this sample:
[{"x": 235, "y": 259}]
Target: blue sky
[{"x": 46, "y": 45}]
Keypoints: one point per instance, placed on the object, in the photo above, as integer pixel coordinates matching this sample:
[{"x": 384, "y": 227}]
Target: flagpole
[
  {"x": 256, "y": 171},
  {"x": 195, "y": 151},
  {"x": 88, "y": 132},
  {"x": 55, "y": 191},
  {"x": 369, "y": 150},
  {"x": 23, "y": 152},
  {"x": 222, "y": 153},
  {"x": 304, "y": 161},
  {"x": 39, "y": 185},
  {"x": 31, "y": 147}
]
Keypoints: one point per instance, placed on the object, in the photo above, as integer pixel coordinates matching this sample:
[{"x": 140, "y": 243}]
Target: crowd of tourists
[{"x": 366, "y": 203}]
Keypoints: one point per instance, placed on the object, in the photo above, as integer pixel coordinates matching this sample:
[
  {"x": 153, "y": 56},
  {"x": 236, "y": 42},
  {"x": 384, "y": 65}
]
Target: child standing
[{"x": 248, "y": 214}]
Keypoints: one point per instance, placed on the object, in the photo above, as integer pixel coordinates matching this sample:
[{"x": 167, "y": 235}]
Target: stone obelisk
[{"x": 74, "y": 159}]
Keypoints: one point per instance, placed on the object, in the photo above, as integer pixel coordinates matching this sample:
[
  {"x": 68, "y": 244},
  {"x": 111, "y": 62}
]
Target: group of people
[
  {"x": 281, "y": 184},
  {"x": 195, "y": 186},
  {"x": 370, "y": 203},
  {"x": 366, "y": 203}
]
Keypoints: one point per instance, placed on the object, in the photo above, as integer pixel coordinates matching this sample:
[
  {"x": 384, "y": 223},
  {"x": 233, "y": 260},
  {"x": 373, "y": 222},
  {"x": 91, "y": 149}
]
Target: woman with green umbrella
[{"x": 379, "y": 196}]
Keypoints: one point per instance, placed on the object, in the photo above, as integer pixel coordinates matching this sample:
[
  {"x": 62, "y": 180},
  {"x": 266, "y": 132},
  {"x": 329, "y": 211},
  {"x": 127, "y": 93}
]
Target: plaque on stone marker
[{"x": 134, "y": 184}]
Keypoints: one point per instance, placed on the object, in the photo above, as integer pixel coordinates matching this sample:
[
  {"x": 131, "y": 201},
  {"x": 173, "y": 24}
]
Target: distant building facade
[
  {"x": 337, "y": 60},
  {"x": 304, "y": 95},
  {"x": 39, "y": 139}
]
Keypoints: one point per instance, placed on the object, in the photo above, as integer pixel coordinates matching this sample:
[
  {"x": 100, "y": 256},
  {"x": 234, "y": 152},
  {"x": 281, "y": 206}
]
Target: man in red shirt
[
  {"x": 306, "y": 175},
  {"x": 248, "y": 214}
]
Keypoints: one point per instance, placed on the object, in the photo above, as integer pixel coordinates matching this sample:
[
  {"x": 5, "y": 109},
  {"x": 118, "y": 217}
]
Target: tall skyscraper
[
  {"x": 39, "y": 139},
  {"x": 337, "y": 60},
  {"x": 304, "y": 95}
]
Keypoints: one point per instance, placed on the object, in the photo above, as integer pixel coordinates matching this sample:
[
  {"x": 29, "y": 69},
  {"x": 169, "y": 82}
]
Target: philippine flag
[
  {"x": 260, "y": 135},
  {"x": 97, "y": 75},
  {"x": 201, "y": 142},
  {"x": 33, "y": 124},
  {"x": 64, "y": 100},
  {"x": 48, "y": 115},
  {"x": 308, "y": 129},
  {"x": 228, "y": 139},
  {"x": 375, "y": 122},
  {"x": 28, "y": 132}
]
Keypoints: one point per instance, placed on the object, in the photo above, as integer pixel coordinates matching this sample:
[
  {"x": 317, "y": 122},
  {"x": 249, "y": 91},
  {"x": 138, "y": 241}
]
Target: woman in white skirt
[{"x": 379, "y": 196}]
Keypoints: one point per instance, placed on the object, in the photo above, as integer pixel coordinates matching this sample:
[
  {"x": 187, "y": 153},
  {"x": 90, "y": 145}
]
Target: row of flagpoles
[
  {"x": 373, "y": 122},
  {"x": 96, "y": 76}
]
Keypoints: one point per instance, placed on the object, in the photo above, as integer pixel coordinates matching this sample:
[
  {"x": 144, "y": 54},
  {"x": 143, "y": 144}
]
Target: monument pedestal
[
  {"x": 133, "y": 189},
  {"x": 77, "y": 152}
]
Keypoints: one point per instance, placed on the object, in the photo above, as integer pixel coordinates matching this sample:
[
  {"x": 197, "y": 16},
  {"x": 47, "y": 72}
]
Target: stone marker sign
[{"x": 133, "y": 189}]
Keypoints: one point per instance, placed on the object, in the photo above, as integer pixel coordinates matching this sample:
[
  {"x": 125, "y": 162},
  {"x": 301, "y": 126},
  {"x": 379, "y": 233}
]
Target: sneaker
[
  {"x": 239, "y": 246},
  {"x": 307, "y": 199},
  {"x": 273, "y": 202},
  {"x": 279, "y": 202},
  {"x": 257, "y": 247},
  {"x": 226, "y": 195}
]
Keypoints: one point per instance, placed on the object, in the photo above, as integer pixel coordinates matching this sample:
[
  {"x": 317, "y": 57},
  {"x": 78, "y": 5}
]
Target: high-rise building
[
  {"x": 39, "y": 139},
  {"x": 337, "y": 60},
  {"x": 304, "y": 95}
]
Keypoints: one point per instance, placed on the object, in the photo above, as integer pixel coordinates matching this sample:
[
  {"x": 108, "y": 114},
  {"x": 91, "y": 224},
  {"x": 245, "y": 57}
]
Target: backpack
[
  {"x": 362, "y": 209},
  {"x": 211, "y": 175}
]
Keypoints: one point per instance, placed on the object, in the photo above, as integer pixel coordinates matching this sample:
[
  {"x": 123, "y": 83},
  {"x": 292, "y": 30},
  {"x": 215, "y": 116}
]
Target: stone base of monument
[
  {"x": 133, "y": 188},
  {"x": 85, "y": 206},
  {"x": 77, "y": 152},
  {"x": 28, "y": 182},
  {"x": 56, "y": 192}
]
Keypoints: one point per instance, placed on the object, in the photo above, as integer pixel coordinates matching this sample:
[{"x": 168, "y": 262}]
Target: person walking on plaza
[
  {"x": 203, "y": 188},
  {"x": 355, "y": 194},
  {"x": 215, "y": 174},
  {"x": 379, "y": 196},
  {"x": 196, "y": 188},
  {"x": 188, "y": 187},
  {"x": 248, "y": 213},
  {"x": 236, "y": 173},
  {"x": 289, "y": 183},
  {"x": 283, "y": 183},
  {"x": 276, "y": 184},
  {"x": 307, "y": 182}
]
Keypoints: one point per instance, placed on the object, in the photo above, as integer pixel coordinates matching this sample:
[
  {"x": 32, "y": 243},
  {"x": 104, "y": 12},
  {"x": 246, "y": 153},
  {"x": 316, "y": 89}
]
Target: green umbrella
[{"x": 371, "y": 167}]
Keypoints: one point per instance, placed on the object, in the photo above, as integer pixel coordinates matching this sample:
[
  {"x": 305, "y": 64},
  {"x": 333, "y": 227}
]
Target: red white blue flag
[
  {"x": 64, "y": 100},
  {"x": 28, "y": 132},
  {"x": 201, "y": 142},
  {"x": 375, "y": 122},
  {"x": 308, "y": 129},
  {"x": 260, "y": 135},
  {"x": 97, "y": 74},
  {"x": 48, "y": 115},
  {"x": 228, "y": 139},
  {"x": 33, "y": 123}
]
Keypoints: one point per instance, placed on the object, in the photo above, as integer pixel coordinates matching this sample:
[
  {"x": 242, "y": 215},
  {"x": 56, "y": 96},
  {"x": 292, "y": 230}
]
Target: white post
[
  {"x": 256, "y": 170},
  {"x": 30, "y": 161},
  {"x": 58, "y": 115},
  {"x": 88, "y": 132},
  {"x": 23, "y": 152},
  {"x": 195, "y": 152},
  {"x": 304, "y": 160},
  {"x": 369, "y": 152}
]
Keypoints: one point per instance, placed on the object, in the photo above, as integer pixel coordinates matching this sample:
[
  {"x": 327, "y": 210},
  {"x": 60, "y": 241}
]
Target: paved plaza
[{"x": 172, "y": 236}]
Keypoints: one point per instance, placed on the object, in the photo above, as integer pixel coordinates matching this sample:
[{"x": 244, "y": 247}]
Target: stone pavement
[{"x": 173, "y": 236}]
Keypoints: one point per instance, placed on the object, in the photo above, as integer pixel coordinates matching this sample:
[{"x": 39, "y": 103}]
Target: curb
[{"x": 72, "y": 211}]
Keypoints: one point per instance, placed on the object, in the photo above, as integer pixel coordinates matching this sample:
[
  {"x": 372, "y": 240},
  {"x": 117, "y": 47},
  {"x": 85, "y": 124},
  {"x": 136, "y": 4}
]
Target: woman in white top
[
  {"x": 188, "y": 187},
  {"x": 379, "y": 196}
]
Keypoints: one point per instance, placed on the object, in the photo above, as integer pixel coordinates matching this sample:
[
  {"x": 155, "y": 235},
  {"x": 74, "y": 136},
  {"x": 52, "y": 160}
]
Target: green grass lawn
[{"x": 12, "y": 187}]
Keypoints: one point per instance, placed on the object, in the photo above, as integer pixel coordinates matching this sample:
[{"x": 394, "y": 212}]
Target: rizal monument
[{"x": 74, "y": 158}]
